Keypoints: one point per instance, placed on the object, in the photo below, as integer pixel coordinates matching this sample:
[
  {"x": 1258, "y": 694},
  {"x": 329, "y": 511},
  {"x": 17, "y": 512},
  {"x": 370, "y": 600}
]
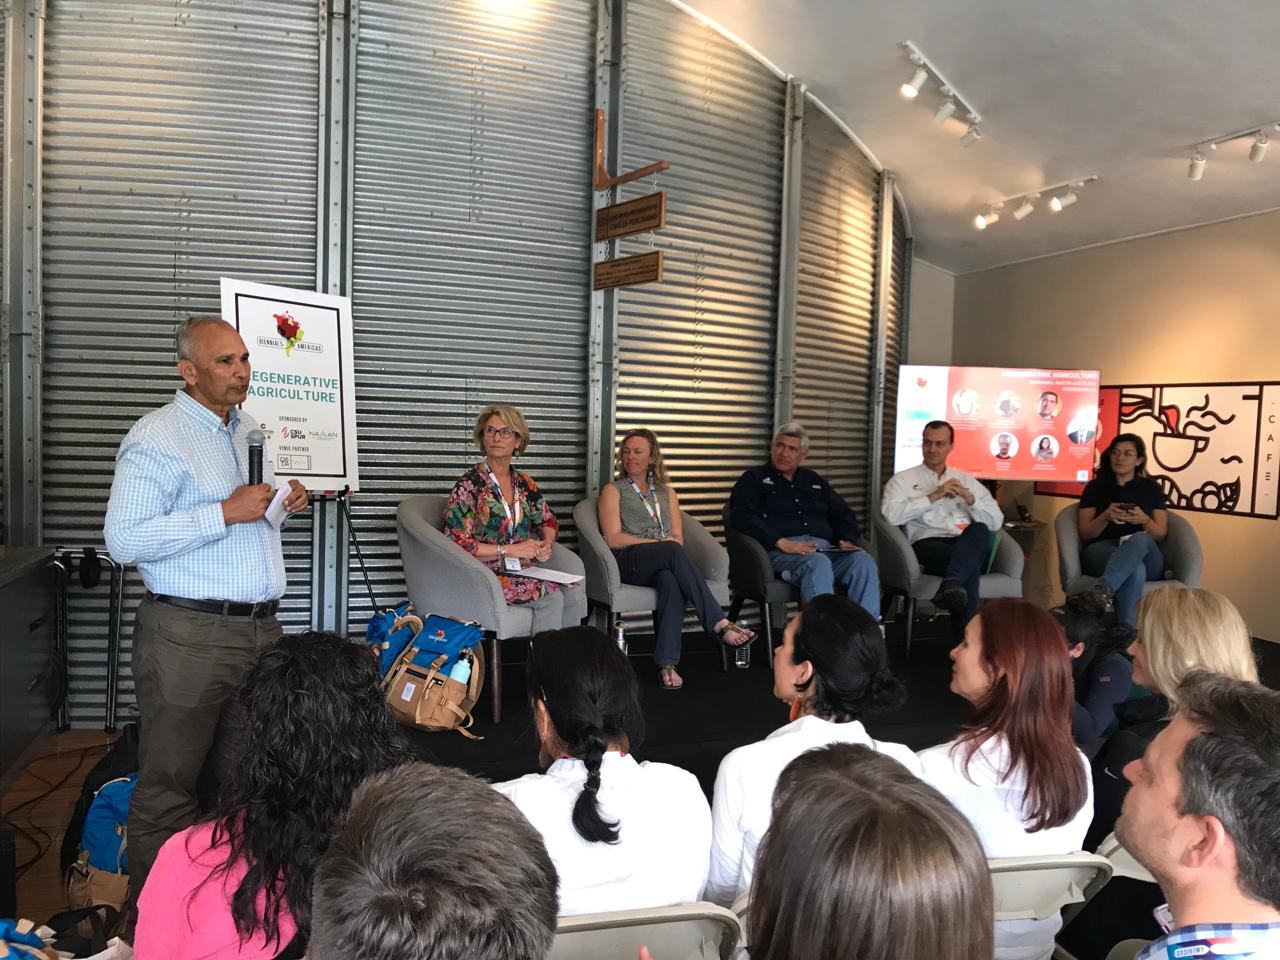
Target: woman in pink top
[{"x": 239, "y": 885}]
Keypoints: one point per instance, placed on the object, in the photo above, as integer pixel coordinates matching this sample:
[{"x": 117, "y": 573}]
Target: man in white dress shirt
[{"x": 949, "y": 517}]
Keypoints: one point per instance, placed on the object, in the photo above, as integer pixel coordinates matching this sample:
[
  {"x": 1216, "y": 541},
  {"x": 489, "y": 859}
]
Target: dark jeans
[
  {"x": 958, "y": 558},
  {"x": 665, "y": 567},
  {"x": 187, "y": 668}
]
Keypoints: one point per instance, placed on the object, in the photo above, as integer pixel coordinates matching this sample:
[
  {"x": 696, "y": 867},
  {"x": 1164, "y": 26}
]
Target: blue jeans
[
  {"x": 818, "y": 573},
  {"x": 961, "y": 558},
  {"x": 1124, "y": 567}
]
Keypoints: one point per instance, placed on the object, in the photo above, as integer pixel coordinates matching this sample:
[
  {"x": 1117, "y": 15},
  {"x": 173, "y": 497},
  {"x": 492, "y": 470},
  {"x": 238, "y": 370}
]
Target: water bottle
[
  {"x": 620, "y": 636},
  {"x": 742, "y": 655},
  {"x": 461, "y": 671}
]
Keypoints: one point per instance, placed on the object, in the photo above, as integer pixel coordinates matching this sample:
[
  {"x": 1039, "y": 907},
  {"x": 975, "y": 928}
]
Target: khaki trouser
[{"x": 188, "y": 667}]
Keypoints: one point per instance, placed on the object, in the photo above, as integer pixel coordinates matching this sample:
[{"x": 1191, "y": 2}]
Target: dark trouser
[
  {"x": 187, "y": 669},
  {"x": 957, "y": 558},
  {"x": 665, "y": 567}
]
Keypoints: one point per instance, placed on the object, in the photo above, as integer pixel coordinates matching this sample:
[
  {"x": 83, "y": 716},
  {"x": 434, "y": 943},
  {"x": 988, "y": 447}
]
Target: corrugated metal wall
[
  {"x": 696, "y": 352},
  {"x": 180, "y": 146},
  {"x": 895, "y": 339},
  {"x": 4, "y": 321},
  {"x": 471, "y": 250},
  {"x": 836, "y": 306}
]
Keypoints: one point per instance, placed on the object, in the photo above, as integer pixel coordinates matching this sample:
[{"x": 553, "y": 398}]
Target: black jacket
[{"x": 767, "y": 506}]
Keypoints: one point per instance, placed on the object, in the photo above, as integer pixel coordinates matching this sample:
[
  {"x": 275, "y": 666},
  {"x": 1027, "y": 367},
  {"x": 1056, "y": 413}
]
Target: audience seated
[
  {"x": 622, "y": 834},
  {"x": 1178, "y": 631},
  {"x": 239, "y": 885},
  {"x": 1203, "y": 815},
  {"x": 1123, "y": 517},
  {"x": 1101, "y": 673},
  {"x": 810, "y": 532},
  {"x": 497, "y": 514},
  {"x": 1014, "y": 771},
  {"x": 432, "y": 864},
  {"x": 832, "y": 668},
  {"x": 863, "y": 859},
  {"x": 640, "y": 521}
]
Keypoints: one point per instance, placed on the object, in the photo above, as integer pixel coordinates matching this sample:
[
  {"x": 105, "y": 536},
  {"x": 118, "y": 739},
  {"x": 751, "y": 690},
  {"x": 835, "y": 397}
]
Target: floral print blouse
[{"x": 475, "y": 515}]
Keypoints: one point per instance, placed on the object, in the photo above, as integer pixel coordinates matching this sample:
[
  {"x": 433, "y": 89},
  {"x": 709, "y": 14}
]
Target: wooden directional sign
[
  {"x": 645, "y": 268},
  {"x": 634, "y": 216}
]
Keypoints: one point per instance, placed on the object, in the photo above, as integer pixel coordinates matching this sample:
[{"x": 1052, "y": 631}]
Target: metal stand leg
[{"x": 115, "y": 615}]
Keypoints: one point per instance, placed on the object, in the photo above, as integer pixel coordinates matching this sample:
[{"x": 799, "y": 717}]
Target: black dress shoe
[
  {"x": 951, "y": 596},
  {"x": 1096, "y": 600}
]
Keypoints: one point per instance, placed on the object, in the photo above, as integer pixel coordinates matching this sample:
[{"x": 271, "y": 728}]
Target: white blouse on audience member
[
  {"x": 995, "y": 811},
  {"x": 743, "y": 801},
  {"x": 664, "y": 833}
]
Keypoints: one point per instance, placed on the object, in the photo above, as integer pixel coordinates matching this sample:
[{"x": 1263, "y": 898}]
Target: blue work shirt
[{"x": 175, "y": 467}]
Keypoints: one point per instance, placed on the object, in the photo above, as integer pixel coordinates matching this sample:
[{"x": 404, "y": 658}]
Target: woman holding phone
[{"x": 1123, "y": 517}]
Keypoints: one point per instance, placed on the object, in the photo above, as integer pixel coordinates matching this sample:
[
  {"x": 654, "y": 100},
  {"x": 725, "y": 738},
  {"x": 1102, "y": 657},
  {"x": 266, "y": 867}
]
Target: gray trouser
[
  {"x": 187, "y": 668},
  {"x": 559, "y": 608}
]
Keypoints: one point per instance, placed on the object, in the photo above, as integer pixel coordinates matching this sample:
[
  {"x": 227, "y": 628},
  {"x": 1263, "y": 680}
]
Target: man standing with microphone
[{"x": 188, "y": 506}]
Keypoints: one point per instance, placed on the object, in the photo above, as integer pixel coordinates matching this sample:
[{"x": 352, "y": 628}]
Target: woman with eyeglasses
[
  {"x": 497, "y": 514},
  {"x": 640, "y": 521},
  {"x": 1123, "y": 517},
  {"x": 623, "y": 834}
]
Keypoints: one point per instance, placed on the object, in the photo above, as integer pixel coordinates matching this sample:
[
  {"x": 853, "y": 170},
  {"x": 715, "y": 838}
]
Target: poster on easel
[{"x": 302, "y": 389}]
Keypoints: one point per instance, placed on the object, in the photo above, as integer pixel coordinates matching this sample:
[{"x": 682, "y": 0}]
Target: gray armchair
[
  {"x": 1183, "y": 556},
  {"x": 608, "y": 595},
  {"x": 751, "y": 577},
  {"x": 900, "y": 572},
  {"x": 443, "y": 578}
]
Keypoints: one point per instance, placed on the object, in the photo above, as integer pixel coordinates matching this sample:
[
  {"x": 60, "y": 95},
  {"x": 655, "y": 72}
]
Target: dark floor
[{"x": 715, "y": 712}]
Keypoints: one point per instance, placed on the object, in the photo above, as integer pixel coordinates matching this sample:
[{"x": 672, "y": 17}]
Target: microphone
[{"x": 256, "y": 440}]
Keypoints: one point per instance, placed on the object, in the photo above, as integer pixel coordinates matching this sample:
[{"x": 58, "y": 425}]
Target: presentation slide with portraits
[{"x": 1010, "y": 423}]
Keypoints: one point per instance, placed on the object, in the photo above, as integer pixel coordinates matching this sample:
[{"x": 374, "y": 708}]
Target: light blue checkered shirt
[
  {"x": 175, "y": 467},
  {"x": 1217, "y": 941}
]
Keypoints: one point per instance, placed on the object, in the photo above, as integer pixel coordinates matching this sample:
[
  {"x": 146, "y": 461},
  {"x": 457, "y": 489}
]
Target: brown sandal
[
  {"x": 668, "y": 679},
  {"x": 731, "y": 627}
]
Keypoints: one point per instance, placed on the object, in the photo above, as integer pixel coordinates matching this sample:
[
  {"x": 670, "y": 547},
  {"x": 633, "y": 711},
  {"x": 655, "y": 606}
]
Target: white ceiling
[{"x": 1066, "y": 88}]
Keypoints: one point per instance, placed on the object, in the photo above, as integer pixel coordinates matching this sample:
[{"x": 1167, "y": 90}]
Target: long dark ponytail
[{"x": 592, "y": 698}]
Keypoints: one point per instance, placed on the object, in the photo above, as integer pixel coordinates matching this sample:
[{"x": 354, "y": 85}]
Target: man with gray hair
[
  {"x": 182, "y": 509},
  {"x": 1203, "y": 815},
  {"x": 810, "y": 532},
  {"x": 434, "y": 864}
]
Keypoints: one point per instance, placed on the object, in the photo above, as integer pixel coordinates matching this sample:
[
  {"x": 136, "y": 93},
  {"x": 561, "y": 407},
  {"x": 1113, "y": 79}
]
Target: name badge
[{"x": 512, "y": 564}]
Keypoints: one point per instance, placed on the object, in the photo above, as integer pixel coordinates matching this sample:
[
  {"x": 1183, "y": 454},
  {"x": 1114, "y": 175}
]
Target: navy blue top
[
  {"x": 1100, "y": 687},
  {"x": 766, "y": 505},
  {"x": 1143, "y": 491}
]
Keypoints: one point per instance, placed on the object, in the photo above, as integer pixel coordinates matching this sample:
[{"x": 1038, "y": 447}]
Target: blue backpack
[
  {"x": 106, "y": 825},
  {"x": 391, "y": 631}
]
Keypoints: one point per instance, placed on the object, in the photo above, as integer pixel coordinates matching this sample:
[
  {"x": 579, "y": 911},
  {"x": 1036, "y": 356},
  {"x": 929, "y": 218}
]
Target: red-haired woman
[{"x": 1014, "y": 770}]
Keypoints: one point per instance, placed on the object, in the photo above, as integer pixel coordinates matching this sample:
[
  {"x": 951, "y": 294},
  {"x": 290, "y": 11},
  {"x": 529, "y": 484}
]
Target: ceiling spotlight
[
  {"x": 984, "y": 220},
  {"x": 912, "y": 88},
  {"x": 972, "y": 136},
  {"x": 1065, "y": 200},
  {"x": 1259, "y": 148},
  {"x": 1026, "y": 207},
  {"x": 1196, "y": 170},
  {"x": 947, "y": 109}
]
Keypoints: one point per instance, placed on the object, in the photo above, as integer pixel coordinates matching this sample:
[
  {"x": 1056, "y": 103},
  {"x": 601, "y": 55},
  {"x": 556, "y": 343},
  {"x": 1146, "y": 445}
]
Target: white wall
[
  {"x": 932, "y": 305},
  {"x": 1198, "y": 305}
]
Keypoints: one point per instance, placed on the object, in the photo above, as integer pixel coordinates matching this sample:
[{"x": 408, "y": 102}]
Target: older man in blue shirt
[
  {"x": 810, "y": 532},
  {"x": 183, "y": 510}
]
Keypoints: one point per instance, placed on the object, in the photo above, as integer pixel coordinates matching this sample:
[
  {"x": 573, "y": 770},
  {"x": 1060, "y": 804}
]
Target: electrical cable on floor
[{"x": 42, "y": 849}]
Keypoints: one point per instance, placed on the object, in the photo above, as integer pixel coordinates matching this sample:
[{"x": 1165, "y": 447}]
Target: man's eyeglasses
[{"x": 505, "y": 433}]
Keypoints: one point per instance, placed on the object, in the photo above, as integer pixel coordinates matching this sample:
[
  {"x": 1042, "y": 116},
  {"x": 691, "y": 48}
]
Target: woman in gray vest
[{"x": 640, "y": 520}]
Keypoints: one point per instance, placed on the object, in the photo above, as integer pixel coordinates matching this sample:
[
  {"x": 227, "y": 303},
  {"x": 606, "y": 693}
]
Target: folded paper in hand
[
  {"x": 553, "y": 576},
  {"x": 277, "y": 511}
]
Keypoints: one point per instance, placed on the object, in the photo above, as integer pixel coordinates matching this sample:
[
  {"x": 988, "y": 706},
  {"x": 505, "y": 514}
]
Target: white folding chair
[
  {"x": 693, "y": 931},
  {"x": 1033, "y": 888}
]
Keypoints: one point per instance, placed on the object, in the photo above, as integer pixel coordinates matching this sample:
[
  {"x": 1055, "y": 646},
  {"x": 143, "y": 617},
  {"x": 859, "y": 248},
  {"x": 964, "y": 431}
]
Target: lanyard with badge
[
  {"x": 514, "y": 515},
  {"x": 654, "y": 508}
]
